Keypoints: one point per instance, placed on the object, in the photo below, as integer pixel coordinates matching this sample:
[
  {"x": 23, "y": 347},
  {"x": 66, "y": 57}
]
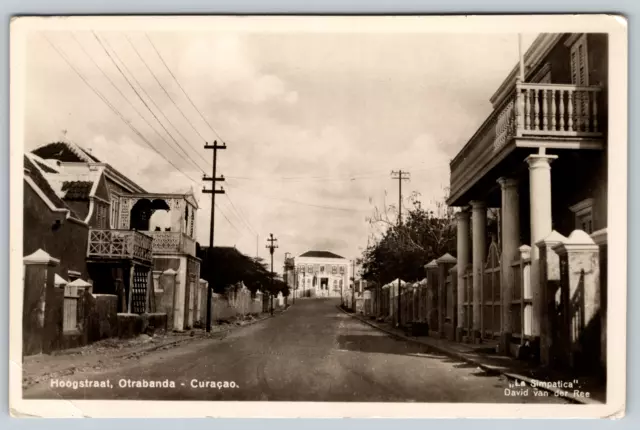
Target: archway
[{"x": 142, "y": 212}]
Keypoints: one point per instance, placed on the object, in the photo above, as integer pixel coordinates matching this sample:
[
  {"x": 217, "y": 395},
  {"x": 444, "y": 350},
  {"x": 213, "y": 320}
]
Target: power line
[
  {"x": 341, "y": 177},
  {"x": 297, "y": 202},
  {"x": 241, "y": 215},
  {"x": 139, "y": 96},
  {"x": 165, "y": 90},
  {"x": 181, "y": 88},
  {"x": 126, "y": 99},
  {"x": 113, "y": 108},
  {"x": 151, "y": 100}
]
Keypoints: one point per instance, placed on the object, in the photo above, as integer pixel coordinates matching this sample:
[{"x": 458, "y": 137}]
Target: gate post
[
  {"x": 551, "y": 295},
  {"x": 444, "y": 263},
  {"x": 580, "y": 278},
  {"x": 39, "y": 330}
]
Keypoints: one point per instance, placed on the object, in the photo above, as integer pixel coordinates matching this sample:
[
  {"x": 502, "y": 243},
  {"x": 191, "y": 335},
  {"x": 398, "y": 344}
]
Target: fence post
[
  {"x": 444, "y": 263},
  {"x": 580, "y": 279},
  {"x": 549, "y": 270},
  {"x": 39, "y": 327}
]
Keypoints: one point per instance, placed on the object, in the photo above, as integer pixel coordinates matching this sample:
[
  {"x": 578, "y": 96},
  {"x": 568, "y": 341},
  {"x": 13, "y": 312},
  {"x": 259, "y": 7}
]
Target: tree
[
  {"x": 232, "y": 267},
  {"x": 401, "y": 251}
]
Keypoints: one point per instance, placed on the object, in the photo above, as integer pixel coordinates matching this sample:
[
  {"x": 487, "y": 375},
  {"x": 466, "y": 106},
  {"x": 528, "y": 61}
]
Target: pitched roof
[
  {"x": 76, "y": 190},
  {"x": 42, "y": 183},
  {"x": 321, "y": 254},
  {"x": 65, "y": 151}
]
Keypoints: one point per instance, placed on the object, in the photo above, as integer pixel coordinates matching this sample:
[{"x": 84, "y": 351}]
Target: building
[
  {"x": 133, "y": 236},
  {"x": 541, "y": 158},
  {"x": 322, "y": 274}
]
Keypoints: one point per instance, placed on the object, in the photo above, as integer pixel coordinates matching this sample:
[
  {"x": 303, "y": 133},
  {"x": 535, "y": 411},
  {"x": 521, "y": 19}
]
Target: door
[{"x": 324, "y": 285}]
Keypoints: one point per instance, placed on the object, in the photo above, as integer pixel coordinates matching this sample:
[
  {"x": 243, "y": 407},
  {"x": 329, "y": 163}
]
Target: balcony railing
[
  {"x": 556, "y": 111},
  {"x": 172, "y": 242},
  {"x": 119, "y": 244}
]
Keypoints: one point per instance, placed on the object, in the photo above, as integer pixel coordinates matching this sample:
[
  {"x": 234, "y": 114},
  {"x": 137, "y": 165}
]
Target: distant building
[{"x": 322, "y": 274}]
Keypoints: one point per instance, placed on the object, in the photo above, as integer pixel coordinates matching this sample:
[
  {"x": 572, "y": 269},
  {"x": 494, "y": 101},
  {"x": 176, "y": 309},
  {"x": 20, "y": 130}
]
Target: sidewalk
[
  {"x": 517, "y": 370},
  {"x": 113, "y": 352}
]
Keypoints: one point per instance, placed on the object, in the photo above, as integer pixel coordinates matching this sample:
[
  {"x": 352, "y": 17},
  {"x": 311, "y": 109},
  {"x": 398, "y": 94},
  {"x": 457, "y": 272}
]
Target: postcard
[{"x": 318, "y": 216}]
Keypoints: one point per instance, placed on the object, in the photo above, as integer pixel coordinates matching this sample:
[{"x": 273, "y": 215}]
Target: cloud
[{"x": 314, "y": 123}]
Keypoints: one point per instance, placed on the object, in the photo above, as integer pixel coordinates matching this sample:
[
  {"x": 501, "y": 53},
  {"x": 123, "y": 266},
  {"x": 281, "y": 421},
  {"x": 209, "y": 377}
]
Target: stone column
[
  {"x": 551, "y": 297},
  {"x": 580, "y": 278},
  {"x": 445, "y": 262},
  {"x": 541, "y": 226},
  {"x": 462, "y": 220},
  {"x": 39, "y": 329},
  {"x": 479, "y": 245},
  {"x": 510, "y": 232}
]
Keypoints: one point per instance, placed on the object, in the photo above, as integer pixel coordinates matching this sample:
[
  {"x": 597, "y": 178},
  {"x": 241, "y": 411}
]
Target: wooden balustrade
[{"x": 119, "y": 244}]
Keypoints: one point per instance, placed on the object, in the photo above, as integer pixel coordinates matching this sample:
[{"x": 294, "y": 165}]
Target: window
[
  {"x": 583, "y": 213},
  {"x": 342, "y": 270},
  {"x": 579, "y": 61},
  {"x": 334, "y": 269},
  {"x": 113, "y": 219},
  {"x": 101, "y": 215},
  {"x": 321, "y": 269}
]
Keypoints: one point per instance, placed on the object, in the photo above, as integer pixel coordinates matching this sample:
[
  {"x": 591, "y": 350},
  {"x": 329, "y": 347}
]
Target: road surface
[{"x": 311, "y": 352}]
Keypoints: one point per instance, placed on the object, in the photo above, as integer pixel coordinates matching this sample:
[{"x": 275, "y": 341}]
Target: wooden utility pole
[
  {"x": 272, "y": 246},
  {"x": 400, "y": 176},
  {"x": 213, "y": 191}
]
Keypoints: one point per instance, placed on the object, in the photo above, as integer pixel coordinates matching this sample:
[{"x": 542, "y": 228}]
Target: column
[
  {"x": 462, "y": 220},
  {"x": 580, "y": 280},
  {"x": 541, "y": 227},
  {"x": 479, "y": 245},
  {"x": 41, "y": 304},
  {"x": 445, "y": 263},
  {"x": 510, "y": 232}
]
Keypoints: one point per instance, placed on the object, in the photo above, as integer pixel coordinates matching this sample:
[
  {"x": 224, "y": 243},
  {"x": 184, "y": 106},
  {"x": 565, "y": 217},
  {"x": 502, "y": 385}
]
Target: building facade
[
  {"x": 540, "y": 157},
  {"x": 322, "y": 274},
  {"x": 132, "y": 236}
]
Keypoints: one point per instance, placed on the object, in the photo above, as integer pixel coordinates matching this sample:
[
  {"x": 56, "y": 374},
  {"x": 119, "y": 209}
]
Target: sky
[{"x": 313, "y": 123}]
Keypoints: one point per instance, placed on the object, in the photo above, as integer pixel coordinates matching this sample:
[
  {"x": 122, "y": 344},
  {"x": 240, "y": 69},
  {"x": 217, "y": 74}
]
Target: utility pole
[
  {"x": 400, "y": 176},
  {"x": 272, "y": 246},
  {"x": 213, "y": 191}
]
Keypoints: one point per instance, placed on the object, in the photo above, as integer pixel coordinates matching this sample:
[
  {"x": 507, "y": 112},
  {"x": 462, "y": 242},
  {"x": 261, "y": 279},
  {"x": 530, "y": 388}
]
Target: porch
[{"x": 120, "y": 263}]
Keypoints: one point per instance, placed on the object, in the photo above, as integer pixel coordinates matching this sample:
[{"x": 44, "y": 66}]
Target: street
[{"x": 312, "y": 352}]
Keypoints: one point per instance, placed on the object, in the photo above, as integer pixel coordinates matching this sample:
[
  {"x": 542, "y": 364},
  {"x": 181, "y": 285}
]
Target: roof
[
  {"x": 43, "y": 184},
  {"x": 76, "y": 190},
  {"x": 321, "y": 254},
  {"x": 65, "y": 151}
]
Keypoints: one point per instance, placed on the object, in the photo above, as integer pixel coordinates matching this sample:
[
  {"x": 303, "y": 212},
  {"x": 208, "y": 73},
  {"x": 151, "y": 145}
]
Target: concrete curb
[{"x": 488, "y": 368}]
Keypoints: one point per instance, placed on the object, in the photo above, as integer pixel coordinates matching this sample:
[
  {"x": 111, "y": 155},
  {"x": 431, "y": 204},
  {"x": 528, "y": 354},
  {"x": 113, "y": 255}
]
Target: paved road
[{"x": 312, "y": 352}]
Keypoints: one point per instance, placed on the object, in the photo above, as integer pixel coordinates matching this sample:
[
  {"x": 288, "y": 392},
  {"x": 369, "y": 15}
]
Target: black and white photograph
[{"x": 387, "y": 216}]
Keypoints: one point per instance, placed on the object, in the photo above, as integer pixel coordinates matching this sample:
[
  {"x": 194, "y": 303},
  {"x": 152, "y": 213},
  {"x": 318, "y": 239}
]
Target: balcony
[
  {"x": 172, "y": 242},
  {"x": 549, "y": 115},
  {"x": 119, "y": 245}
]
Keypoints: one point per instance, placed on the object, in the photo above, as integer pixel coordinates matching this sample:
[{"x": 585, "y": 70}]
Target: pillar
[
  {"x": 580, "y": 279},
  {"x": 462, "y": 221},
  {"x": 552, "y": 331},
  {"x": 40, "y": 327},
  {"x": 510, "y": 240},
  {"x": 479, "y": 245},
  {"x": 445, "y": 262},
  {"x": 541, "y": 226}
]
